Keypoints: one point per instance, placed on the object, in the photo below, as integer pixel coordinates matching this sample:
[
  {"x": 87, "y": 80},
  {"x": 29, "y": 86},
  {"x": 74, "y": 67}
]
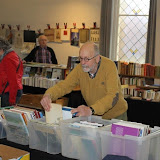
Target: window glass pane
[
  {"x": 134, "y": 7},
  {"x": 132, "y": 30}
]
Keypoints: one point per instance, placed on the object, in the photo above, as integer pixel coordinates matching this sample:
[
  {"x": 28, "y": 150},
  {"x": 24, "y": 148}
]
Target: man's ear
[{"x": 98, "y": 59}]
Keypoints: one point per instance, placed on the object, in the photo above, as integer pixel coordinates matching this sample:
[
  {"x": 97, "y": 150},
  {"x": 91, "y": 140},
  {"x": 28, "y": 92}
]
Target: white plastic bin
[
  {"x": 2, "y": 131},
  {"x": 44, "y": 137},
  {"x": 16, "y": 133},
  {"x": 81, "y": 142},
  {"x": 136, "y": 148}
]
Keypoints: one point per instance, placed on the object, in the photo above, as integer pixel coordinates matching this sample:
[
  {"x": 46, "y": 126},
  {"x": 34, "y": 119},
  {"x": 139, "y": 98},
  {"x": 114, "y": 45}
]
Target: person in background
[
  {"x": 42, "y": 53},
  {"x": 11, "y": 72},
  {"x": 99, "y": 82}
]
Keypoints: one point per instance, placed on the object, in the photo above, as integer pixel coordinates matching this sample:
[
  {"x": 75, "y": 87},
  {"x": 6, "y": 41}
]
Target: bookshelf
[
  {"x": 138, "y": 80},
  {"x": 140, "y": 76},
  {"x": 41, "y": 75},
  {"x": 38, "y": 77}
]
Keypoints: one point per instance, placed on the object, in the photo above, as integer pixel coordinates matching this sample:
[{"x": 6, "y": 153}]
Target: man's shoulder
[
  {"x": 35, "y": 48},
  {"x": 106, "y": 60},
  {"x": 49, "y": 48}
]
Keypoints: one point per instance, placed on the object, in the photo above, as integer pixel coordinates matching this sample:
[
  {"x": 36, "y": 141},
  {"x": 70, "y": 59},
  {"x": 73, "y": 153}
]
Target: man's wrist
[
  {"x": 47, "y": 95},
  {"x": 92, "y": 110}
]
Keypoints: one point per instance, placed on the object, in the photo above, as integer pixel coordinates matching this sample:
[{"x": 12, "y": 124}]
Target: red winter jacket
[{"x": 8, "y": 67}]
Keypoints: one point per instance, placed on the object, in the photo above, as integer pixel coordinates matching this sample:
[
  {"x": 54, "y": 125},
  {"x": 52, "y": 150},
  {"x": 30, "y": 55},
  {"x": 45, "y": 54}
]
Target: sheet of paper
[
  {"x": 18, "y": 39},
  {"x": 3, "y": 32},
  {"x": 65, "y": 34},
  {"x": 55, "y": 113}
]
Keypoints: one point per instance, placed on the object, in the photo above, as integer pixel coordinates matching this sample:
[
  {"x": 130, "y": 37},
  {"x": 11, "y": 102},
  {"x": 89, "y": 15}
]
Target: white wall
[{"x": 38, "y": 13}]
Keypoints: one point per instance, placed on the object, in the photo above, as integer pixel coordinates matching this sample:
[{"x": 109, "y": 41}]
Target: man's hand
[
  {"x": 46, "y": 102},
  {"x": 82, "y": 111}
]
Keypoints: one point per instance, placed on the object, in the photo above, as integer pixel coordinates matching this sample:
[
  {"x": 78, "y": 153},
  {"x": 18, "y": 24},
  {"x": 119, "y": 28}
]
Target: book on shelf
[
  {"x": 137, "y": 69},
  {"x": 48, "y": 73}
]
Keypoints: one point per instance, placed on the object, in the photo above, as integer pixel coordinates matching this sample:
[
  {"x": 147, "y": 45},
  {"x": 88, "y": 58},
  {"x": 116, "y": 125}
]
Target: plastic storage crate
[
  {"x": 2, "y": 131},
  {"x": 44, "y": 137},
  {"x": 17, "y": 133},
  {"x": 81, "y": 142},
  {"x": 136, "y": 148}
]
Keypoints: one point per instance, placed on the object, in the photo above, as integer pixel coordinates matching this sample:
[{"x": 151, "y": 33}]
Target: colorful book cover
[{"x": 124, "y": 130}]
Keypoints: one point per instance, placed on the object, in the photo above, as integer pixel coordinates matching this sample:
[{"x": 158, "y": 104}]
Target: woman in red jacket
[{"x": 11, "y": 72}]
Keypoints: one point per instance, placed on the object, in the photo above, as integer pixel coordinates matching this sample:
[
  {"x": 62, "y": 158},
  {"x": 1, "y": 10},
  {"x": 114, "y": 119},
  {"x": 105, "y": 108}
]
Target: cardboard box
[{"x": 8, "y": 153}]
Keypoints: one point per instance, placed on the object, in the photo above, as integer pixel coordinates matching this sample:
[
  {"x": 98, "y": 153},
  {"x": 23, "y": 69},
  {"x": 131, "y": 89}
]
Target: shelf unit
[
  {"x": 43, "y": 75},
  {"x": 137, "y": 86}
]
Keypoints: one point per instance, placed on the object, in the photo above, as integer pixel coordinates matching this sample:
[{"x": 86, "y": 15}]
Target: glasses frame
[{"x": 87, "y": 59}]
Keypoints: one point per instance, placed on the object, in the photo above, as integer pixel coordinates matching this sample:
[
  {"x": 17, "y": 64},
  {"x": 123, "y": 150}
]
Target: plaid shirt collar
[
  {"x": 94, "y": 75},
  {"x": 43, "y": 47}
]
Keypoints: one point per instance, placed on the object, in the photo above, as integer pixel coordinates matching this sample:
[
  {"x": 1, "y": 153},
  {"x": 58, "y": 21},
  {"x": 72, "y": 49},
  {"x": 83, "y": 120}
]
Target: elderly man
[
  {"x": 99, "y": 83},
  {"x": 42, "y": 53}
]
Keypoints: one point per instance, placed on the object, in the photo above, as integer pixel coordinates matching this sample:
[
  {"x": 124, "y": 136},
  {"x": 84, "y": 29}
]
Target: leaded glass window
[{"x": 132, "y": 30}]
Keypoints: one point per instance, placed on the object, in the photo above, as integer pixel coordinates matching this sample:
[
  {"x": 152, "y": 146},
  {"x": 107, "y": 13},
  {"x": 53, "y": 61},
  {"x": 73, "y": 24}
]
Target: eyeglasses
[{"x": 86, "y": 59}]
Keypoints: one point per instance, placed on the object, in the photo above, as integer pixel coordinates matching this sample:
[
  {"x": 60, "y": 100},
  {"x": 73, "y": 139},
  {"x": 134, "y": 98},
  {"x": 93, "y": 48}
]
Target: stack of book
[
  {"x": 39, "y": 81},
  {"x": 131, "y": 68},
  {"x": 135, "y": 92},
  {"x": 86, "y": 124},
  {"x": 21, "y": 115},
  {"x": 123, "y": 128}
]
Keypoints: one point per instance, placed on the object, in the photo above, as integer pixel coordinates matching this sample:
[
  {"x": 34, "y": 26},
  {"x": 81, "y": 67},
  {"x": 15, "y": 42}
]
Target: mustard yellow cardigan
[{"x": 103, "y": 93}]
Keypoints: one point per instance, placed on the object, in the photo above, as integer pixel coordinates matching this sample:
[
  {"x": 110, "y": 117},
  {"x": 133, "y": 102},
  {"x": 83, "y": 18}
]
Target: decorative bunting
[
  {"x": 18, "y": 27},
  {"x": 65, "y": 25},
  {"x": 28, "y": 27},
  {"x": 74, "y": 25},
  {"x": 84, "y": 35},
  {"x": 83, "y": 24},
  {"x": 94, "y": 35},
  {"x": 2, "y": 26},
  {"x": 75, "y": 37},
  {"x": 48, "y": 25},
  {"x": 94, "y": 24},
  {"x": 9, "y": 26},
  {"x": 57, "y": 25},
  {"x": 39, "y": 31}
]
